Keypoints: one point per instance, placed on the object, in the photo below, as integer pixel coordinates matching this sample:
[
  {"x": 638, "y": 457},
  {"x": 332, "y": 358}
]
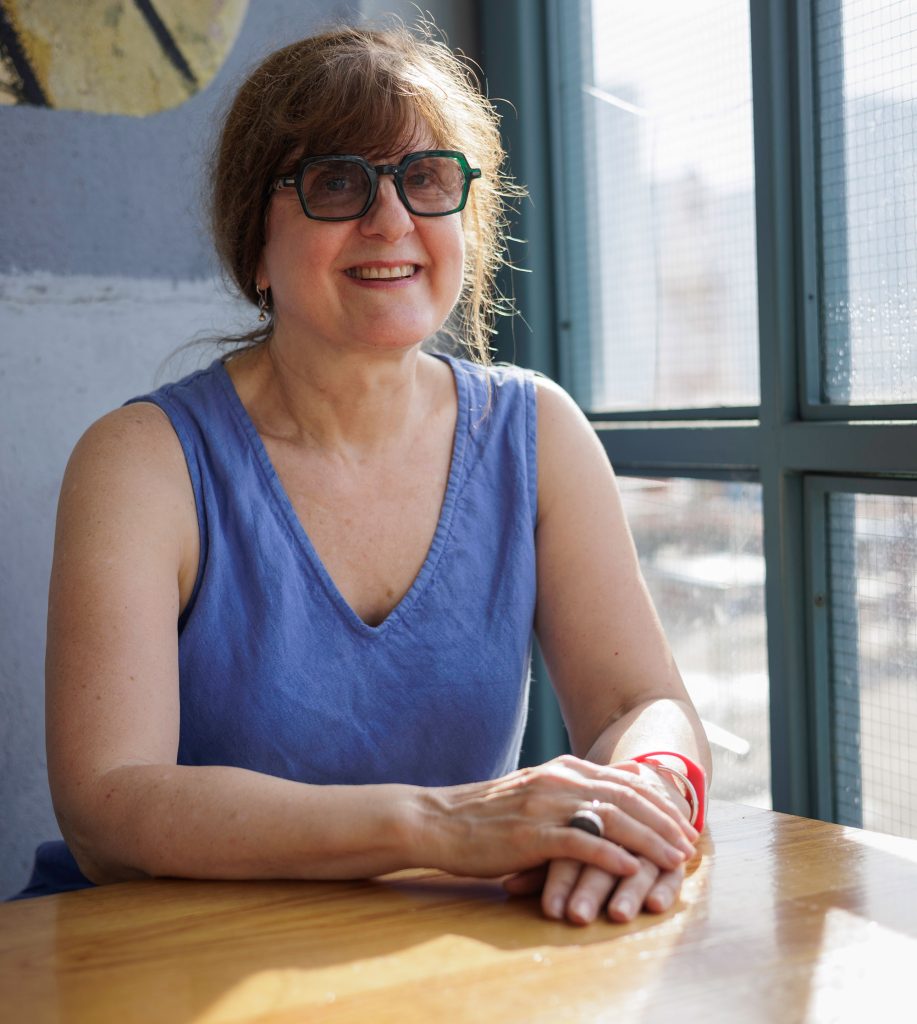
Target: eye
[
  {"x": 333, "y": 183},
  {"x": 420, "y": 177},
  {"x": 334, "y": 187},
  {"x": 428, "y": 176}
]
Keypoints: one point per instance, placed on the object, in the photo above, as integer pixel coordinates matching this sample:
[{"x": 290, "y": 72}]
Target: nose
[{"x": 387, "y": 216}]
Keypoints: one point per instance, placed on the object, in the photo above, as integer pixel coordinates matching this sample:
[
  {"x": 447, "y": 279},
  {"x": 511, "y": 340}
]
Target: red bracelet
[{"x": 694, "y": 776}]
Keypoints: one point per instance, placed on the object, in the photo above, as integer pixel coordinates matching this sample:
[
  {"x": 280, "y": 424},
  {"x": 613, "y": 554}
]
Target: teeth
[{"x": 382, "y": 273}]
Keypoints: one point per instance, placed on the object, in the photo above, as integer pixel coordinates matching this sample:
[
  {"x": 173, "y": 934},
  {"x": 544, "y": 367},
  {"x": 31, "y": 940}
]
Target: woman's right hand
[{"x": 521, "y": 821}]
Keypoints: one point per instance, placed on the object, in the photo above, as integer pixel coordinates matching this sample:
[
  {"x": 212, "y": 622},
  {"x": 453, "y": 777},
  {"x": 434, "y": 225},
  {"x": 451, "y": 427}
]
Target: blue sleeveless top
[{"x": 277, "y": 672}]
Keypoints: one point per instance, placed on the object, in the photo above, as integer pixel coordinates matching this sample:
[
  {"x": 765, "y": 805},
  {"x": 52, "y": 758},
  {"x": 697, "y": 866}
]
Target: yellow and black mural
[{"x": 132, "y": 57}]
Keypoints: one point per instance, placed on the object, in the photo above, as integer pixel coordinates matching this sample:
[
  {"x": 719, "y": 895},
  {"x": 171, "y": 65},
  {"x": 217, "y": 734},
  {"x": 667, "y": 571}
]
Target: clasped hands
[{"x": 521, "y": 826}]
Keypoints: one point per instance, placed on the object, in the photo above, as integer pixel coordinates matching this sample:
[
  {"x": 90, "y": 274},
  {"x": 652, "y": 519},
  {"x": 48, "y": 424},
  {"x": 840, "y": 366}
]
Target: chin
[{"x": 402, "y": 340}]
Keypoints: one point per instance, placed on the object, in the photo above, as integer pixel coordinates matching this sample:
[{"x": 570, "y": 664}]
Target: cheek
[
  {"x": 296, "y": 248},
  {"x": 456, "y": 259}
]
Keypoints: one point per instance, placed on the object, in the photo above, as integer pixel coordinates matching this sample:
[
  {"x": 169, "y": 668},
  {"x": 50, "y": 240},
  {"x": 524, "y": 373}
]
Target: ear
[{"x": 261, "y": 278}]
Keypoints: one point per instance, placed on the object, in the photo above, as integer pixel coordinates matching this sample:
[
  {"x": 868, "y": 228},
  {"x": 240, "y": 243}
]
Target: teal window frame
[{"x": 797, "y": 448}]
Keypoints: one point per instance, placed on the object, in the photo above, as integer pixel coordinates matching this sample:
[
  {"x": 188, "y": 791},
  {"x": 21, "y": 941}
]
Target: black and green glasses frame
[{"x": 372, "y": 173}]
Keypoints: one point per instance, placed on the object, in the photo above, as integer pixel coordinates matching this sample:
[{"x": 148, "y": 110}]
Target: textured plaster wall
[{"x": 105, "y": 271}]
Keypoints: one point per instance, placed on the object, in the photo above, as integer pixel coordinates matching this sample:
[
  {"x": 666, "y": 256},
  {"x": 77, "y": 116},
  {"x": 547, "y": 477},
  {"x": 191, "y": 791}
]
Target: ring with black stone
[{"x": 588, "y": 821}]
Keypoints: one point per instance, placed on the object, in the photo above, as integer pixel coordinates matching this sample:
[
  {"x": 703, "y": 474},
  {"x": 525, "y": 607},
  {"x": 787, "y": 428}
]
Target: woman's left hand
[{"x": 580, "y": 892}]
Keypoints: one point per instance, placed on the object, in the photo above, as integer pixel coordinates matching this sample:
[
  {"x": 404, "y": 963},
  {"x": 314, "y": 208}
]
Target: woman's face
[{"x": 324, "y": 278}]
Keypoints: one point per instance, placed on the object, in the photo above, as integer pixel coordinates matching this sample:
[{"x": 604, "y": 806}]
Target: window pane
[
  {"x": 866, "y": 52},
  {"x": 658, "y": 192},
  {"x": 873, "y": 574},
  {"x": 700, "y": 547}
]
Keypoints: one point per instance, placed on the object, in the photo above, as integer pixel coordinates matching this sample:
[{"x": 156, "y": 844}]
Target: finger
[
  {"x": 561, "y": 878},
  {"x": 647, "y": 803},
  {"x": 627, "y": 831},
  {"x": 675, "y": 824},
  {"x": 665, "y": 892},
  {"x": 665, "y": 784},
  {"x": 589, "y": 895},
  {"x": 628, "y": 774},
  {"x": 565, "y": 843},
  {"x": 524, "y": 883},
  {"x": 674, "y": 828},
  {"x": 632, "y": 892}
]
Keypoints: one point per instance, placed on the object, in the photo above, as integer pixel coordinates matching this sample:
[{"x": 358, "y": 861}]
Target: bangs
[{"x": 373, "y": 115}]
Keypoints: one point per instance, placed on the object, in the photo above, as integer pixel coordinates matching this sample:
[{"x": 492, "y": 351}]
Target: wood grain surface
[{"x": 782, "y": 919}]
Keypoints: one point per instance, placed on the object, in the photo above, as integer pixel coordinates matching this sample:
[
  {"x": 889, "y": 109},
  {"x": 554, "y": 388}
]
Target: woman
[{"x": 355, "y": 539}]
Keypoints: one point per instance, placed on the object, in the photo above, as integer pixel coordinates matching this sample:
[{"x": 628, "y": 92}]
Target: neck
[{"x": 354, "y": 402}]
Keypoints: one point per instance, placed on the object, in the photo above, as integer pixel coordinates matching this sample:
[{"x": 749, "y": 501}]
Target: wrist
[
  {"x": 674, "y": 787},
  {"x": 689, "y": 776},
  {"x": 425, "y": 824},
  {"x": 672, "y": 783}
]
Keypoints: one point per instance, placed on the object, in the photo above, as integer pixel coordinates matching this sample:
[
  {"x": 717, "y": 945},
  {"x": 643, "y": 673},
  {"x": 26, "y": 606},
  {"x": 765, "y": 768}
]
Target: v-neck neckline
[{"x": 285, "y": 508}]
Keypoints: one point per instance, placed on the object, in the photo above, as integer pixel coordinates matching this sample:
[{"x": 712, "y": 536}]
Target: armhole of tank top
[
  {"x": 531, "y": 443},
  {"x": 178, "y": 422}
]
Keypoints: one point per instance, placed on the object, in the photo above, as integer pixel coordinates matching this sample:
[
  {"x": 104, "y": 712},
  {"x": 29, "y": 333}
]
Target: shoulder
[
  {"x": 136, "y": 439},
  {"x": 141, "y": 439},
  {"x": 556, "y": 409},
  {"x": 570, "y": 455},
  {"x": 127, "y": 476},
  {"x": 127, "y": 505},
  {"x": 560, "y": 419}
]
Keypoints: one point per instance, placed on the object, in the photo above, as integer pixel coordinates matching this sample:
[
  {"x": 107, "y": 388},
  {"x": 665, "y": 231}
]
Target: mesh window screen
[
  {"x": 873, "y": 579},
  {"x": 658, "y": 139},
  {"x": 866, "y": 83},
  {"x": 700, "y": 550}
]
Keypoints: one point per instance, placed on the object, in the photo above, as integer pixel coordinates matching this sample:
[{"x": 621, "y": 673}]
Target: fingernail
[
  {"x": 662, "y": 900},
  {"x": 582, "y": 910},
  {"x": 556, "y": 907},
  {"x": 624, "y": 907},
  {"x": 676, "y": 857}
]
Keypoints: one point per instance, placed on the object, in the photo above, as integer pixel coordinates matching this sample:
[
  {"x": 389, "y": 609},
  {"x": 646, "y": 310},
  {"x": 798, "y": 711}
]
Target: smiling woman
[
  {"x": 383, "y": 94},
  {"x": 294, "y": 594}
]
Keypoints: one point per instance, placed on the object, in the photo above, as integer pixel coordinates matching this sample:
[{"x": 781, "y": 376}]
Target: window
[{"x": 722, "y": 246}]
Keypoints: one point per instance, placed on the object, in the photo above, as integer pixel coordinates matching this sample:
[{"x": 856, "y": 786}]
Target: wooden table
[{"x": 782, "y": 919}]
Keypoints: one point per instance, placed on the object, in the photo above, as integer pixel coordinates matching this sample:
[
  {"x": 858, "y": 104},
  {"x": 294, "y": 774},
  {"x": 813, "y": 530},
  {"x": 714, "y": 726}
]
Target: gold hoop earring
[{"x": 262, "y": 304}]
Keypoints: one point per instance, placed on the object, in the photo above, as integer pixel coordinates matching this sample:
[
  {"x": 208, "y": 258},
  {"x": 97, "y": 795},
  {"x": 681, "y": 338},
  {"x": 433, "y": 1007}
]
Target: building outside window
[{"x": 730, "y": 209}]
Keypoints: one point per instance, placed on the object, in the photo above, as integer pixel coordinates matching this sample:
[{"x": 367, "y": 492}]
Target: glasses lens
[
  {"x": 335, "y": 188},
  {"x": 434, "y": 184}
]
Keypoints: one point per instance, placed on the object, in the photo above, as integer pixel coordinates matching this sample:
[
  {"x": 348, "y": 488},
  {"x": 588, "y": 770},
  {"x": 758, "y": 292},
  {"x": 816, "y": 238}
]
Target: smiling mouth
[{"x": 382, "y": 273}]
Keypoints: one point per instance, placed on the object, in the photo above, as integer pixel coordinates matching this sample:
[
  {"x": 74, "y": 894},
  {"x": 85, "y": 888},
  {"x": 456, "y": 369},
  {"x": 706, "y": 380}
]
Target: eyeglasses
[{"x": 433, "y": 183}]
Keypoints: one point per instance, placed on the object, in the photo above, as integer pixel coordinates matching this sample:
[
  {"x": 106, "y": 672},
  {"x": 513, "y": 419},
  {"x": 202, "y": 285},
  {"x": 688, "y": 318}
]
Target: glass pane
[
  {"x": 700, "y": 547},
  {"x": 873, "y": 573},
  {"x": 658, "y": 191},
  {"x": 866, "y": 60}
]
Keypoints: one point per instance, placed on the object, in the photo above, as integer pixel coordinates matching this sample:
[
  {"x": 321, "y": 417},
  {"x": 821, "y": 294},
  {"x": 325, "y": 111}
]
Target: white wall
[{"x": 71, "y": 348}]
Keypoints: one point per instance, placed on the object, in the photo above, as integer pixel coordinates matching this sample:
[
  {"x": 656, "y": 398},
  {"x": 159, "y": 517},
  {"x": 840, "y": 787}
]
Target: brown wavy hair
[{"x": 364, "y": 91}]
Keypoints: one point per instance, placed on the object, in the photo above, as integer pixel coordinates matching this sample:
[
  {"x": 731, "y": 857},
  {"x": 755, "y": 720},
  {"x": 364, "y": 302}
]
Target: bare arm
[
  {"x": 618, "y": 686},
  {"x": 126, "y": 556},
  {"x": 125, "y": 560}
]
